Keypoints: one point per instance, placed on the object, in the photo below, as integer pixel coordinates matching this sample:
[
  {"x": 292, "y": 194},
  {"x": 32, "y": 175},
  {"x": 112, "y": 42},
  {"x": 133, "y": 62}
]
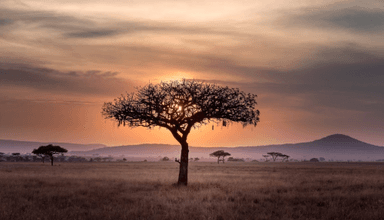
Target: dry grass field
[{"x": 226, "y": 191}]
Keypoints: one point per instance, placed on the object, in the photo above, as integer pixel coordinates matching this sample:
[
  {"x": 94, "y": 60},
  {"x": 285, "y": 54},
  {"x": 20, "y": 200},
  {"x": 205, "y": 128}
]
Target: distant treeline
[{"x": 15, "y": 157}]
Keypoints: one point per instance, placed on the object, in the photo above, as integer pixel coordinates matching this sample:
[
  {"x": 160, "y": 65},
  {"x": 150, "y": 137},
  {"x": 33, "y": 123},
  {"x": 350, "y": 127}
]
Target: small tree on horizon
[
  {"x": 49, "y": 151},
  {"x": 218, "y": 154},
  {"x": 266, "y": 157},
  {"x": 180, "y": 106},
  {"x": 285, "y": 157},
  {"x": 164, "y": 159},
  {"x": 275, "y": 155}
]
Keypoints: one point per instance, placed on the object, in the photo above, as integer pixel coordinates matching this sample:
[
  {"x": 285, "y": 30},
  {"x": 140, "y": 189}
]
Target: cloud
[
  {"x": 355, "y": 19},
  {"x": 92, "y": 34},
  {"x": 4, "y": 22},
  {"x": 72, "y": 26},
  {"x": 349, "y": 80},
  {"x": 93, "y": 83}
]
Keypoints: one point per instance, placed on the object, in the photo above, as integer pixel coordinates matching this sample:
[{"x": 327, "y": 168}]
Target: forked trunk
[{"x": 183, "y": 173}]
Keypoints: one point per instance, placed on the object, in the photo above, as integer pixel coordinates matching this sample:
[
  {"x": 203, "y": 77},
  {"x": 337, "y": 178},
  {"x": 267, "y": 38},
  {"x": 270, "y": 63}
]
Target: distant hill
[
  {"x": 334, "y": 147},
  {"x": 12, "y": 146}
]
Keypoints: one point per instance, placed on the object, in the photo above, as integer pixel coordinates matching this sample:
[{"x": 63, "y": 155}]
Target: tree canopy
[
  {"x": 275, "y": 155},
  {"x": 218, "y": 154},
  {"x": 180, "y": 106},
  {"x": 49, "y": 151}
]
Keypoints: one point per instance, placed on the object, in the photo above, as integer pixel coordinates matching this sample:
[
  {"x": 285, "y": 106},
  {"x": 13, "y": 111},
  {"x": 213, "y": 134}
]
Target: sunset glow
[{"x": 317, "y": 67}]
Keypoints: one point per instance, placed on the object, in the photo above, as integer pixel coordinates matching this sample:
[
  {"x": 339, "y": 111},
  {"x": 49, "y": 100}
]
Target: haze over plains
[{"x": 317, "y": 67}]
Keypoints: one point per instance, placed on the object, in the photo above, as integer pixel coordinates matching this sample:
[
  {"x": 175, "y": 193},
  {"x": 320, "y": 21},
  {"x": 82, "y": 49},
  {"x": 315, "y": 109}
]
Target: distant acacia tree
[
  {"x": 285, "y": 157},
  {"x": 266, "y": 157},
  {"x": 314, "y": 160},
  {"x": 180, "y": 106},
  {"x": 164, "y": 159},
  {"x": 49, "y": 151},
  {"x": 231, "y": 159},
  {"x": 39, "y": 154},
  {"x": 274, "y": 155},
  {"x": 218, "y": 154}
]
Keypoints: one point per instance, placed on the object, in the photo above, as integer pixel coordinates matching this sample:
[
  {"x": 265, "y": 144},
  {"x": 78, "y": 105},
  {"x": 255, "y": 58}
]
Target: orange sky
[{"x": 317, "y": 67}]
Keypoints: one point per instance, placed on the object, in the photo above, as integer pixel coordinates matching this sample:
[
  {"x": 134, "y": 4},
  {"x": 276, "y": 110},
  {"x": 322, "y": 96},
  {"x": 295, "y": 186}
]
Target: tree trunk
[
  {"x": 51, "y": 160},
  {"x": 183, "y": 172}
]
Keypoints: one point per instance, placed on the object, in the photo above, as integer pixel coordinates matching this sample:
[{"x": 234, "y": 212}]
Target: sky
[{"x": 316, "y": 66}]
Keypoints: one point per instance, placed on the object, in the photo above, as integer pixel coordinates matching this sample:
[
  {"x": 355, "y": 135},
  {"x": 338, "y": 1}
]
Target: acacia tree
[
  {"x": 274, "y": 155},
  {"x": 218, "y": 154},
  {"x": 285, "y": 157},
  {"x": 266, "y": 158},
  {"x": 49, "y": 151},
  {"x": 180, "y": 106},
  {"x": 39, "y": 154}
]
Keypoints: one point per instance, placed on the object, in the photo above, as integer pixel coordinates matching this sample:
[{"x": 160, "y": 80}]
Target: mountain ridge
[{"x": 335, "y": 147}]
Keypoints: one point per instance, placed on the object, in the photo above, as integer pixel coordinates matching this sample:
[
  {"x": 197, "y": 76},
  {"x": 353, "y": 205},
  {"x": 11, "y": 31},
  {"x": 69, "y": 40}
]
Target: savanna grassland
[{"x": 226, "y": 191}]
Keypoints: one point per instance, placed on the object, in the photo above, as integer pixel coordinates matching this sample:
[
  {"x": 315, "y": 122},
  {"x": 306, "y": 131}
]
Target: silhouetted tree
[
  {"x": 165, "y": 159},
  {"x": 321, "y": 158},
  {"x": 49, "y": 151},
  {"x": 39, "y": 154},
  {"x": 285, "y": 157},
  {"x": 274, "y": 155},
  {"x": 266, "y": 157},
  {"x": 231, "y": 159},
  {"x": 218, "y": 154},
  {"x": 181, "y": 106},
  {"x": 314, "y": 160},
  {"x": 196, "y": 159}
]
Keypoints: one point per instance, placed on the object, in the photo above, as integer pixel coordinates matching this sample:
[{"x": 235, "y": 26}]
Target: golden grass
[{"x": 225, "y": 191}]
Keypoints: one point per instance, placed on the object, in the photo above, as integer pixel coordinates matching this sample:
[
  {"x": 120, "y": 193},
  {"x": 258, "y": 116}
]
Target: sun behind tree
[{"x": 180, "y": 106}]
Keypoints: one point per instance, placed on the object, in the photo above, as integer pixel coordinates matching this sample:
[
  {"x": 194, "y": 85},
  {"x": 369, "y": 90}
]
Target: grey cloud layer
[
  {"x": 77, "y": 27},
  {"x": 356, "y": 86},
  {"x": 56, "y": 82},
  {"x": 356, "y": 19}
]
